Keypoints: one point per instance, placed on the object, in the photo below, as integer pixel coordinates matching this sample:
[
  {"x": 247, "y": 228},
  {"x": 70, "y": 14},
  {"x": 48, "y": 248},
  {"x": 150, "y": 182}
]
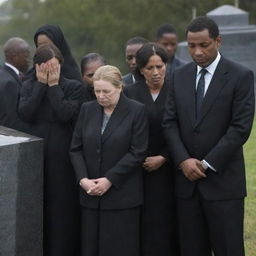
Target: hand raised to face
[
  {"x": 42, "y": 73},
  {"x": 54, "y": 72},
  {"x": 48, "y": 72}
]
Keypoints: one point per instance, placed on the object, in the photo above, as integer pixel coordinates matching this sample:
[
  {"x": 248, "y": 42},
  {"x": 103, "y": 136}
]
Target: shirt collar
[
  {"x": 13, "y": 68},
  {"x": 212, "y": 67}
]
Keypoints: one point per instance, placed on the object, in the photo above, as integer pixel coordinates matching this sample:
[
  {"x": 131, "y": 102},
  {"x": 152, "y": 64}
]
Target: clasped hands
[
  {"x": 48, "y": 73},
  {"x": 153, "y": 163},
  {"x": 95, "y": 187},
  {"x": 192, "y": 168}
]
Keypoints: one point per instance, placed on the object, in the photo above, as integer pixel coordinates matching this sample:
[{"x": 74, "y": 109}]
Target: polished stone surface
[{"x": 21, "y": 194}]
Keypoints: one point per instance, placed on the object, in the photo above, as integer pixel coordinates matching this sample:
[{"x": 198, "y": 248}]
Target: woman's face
[
  {"x": 106, "y": 93},
  {"x": 89, "y": 71},
  {"x": 43, "y": 39},
  {"x": 154, "y": 71}
]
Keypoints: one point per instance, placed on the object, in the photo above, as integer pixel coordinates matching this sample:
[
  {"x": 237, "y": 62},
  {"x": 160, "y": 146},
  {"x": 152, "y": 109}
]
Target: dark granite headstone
[{"x": 21, "y": 194}]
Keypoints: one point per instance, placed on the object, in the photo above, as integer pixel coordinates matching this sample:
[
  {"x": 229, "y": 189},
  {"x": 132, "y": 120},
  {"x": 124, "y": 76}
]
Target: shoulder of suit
[
  {"x": 6, "y": 76},
  {"x": 179, "y": 62},
  {"x": 133, "y": 103}
]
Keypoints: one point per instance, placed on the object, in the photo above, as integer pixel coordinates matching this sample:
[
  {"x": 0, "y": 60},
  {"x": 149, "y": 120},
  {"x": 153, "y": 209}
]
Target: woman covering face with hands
[
  {"x": 50, "y": 103},
  {"x": 48, "y": 72}
]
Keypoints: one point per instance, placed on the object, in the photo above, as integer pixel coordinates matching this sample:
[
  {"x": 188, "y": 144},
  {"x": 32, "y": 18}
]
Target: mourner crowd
[{"x": 146, "y": 164}]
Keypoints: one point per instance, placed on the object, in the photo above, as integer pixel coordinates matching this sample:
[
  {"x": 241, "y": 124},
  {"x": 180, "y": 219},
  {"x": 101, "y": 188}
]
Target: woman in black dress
[
  {"x": 158, "y": 218},
  {"x": 107, "y": 151},
  {"x": 50, "y": 103}
]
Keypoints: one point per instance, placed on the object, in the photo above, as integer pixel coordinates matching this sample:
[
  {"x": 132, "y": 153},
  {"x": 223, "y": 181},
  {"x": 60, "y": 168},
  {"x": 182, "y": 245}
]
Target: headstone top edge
[
  {"x": 15, "y": 137},
  {"x": 226, "y": 10}
]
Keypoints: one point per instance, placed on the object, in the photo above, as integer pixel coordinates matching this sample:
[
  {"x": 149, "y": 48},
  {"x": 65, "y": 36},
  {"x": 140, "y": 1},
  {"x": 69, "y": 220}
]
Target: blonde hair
[{"x": 110, "y": 74}]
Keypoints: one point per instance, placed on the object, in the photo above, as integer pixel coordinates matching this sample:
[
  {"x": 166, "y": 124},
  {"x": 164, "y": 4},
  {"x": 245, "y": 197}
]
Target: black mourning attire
[
  {"x": 158, "y": 229},
  {"x": 10, "y": 85},
  {"x": 51, "y": 111},
  {"x": 111, "y": 222}
]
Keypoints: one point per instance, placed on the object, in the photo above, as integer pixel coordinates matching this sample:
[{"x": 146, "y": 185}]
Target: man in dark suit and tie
[
  {"x": 209, "y": 115},
  {"x": 17, "y": 56}
]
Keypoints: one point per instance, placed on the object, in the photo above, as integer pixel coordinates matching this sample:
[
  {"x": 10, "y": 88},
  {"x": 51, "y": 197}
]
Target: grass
[{"x": 250, "y": 202}]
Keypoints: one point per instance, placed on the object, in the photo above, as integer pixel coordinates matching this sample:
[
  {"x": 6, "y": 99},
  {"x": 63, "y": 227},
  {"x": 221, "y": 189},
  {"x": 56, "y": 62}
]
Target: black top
[{"x": 155, "y": 110}]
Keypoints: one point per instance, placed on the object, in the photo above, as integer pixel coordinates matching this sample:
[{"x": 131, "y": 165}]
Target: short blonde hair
[{"x": 110, "y": 74}]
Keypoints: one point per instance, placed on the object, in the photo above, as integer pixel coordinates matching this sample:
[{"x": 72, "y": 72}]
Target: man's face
[
  {"x": 202, "y": 48},
  {"x": 130, "y": 55},
  {"x": 170, "y": 42},
  {"x": 22, "y": 60}
]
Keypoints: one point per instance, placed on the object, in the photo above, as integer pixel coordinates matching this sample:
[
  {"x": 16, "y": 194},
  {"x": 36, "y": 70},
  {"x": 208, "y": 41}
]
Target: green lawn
[{"x": 250, "y": 203}]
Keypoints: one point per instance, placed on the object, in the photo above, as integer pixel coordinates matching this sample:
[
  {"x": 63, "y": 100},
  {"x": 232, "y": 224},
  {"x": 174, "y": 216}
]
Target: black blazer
[
  {"x": 219, "y": 132},
  {"x": 117, "y": 154},
  {"x": 10, "y": 86}
]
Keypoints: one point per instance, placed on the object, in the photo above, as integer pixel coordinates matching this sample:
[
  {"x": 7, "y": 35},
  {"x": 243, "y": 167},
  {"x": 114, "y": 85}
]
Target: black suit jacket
[
  {"x": 219, "y": 132},
  {"x": 128, "y": 79},
  {"x": 116, "y": 154},
  {"x": 172, "y": 65},
  {"x": 10, "y": 86}
]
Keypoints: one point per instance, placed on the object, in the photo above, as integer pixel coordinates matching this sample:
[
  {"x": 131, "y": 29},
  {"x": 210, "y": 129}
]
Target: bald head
[{"x": 17, "y": 53}]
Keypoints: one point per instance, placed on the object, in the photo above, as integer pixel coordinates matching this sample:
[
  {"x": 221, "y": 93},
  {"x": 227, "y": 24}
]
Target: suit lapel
[
  {"x": 218, "y": 81},
  {"x": 97, "y": 122},
  {"x": 116, "y": 118},
  {"x": 13, "y": 74},
  {"x": 189, "y": 92}
]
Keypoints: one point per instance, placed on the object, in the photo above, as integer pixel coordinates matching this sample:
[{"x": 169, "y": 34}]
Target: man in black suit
[
  {"x": 167, "y": 37},
  {"x": 206, "y": 123},
  {"x": 131, "y": 48},
  {"x": 17, "y": 55}
]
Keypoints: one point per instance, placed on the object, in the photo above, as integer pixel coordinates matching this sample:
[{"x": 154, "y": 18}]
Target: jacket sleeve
[
  {"x": 32, "y": 93},
  {"x": 240, "y": 125},
  {"x": 175, "y": 145},
  {"x": 65, "y": 105},
  {"x": 76, "y": 150},
  {"x": 133, "y": 159}
]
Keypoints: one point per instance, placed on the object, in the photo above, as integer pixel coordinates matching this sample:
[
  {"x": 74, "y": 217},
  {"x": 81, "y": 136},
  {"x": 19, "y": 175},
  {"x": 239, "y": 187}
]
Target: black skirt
[{"x": 110, "y": 232}]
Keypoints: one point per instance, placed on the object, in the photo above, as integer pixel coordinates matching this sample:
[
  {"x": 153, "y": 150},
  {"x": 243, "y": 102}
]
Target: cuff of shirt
[{"x": 205, "y": 163}]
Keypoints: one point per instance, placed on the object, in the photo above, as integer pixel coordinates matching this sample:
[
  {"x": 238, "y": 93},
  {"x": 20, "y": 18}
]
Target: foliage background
[{"x": 104, "y": 26}]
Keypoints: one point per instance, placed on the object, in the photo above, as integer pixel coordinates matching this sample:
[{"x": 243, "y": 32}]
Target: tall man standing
[
  {"x": 17, "y": 56},
  {"x": 208, "y": 118}
]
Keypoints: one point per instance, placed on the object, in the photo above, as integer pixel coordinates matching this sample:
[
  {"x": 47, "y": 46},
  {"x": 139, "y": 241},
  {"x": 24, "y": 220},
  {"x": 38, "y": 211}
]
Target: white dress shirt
[{"x": 207, "y": 80}]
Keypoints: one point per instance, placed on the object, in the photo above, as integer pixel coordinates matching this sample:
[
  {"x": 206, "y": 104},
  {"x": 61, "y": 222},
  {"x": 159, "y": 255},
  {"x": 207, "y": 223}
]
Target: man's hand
[{"x": 192, "y": 169}]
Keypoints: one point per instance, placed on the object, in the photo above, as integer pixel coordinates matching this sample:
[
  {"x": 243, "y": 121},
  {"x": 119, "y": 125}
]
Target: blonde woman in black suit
[{"x": 107, "y": 151}]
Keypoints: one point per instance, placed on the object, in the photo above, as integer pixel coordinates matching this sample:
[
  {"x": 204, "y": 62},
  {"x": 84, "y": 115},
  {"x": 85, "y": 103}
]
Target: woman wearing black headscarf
[{"x": 53, "y": 34}]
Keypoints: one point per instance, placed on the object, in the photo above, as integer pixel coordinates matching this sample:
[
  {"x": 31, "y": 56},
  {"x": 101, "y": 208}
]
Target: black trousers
[
  {"x": 206, "y": 226},
  {"x": 110, "y": 232}
]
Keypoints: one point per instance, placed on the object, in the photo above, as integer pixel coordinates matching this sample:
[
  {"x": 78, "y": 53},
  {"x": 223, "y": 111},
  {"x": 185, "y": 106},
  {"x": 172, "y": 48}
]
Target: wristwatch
[{"x": 204, "y": 164}]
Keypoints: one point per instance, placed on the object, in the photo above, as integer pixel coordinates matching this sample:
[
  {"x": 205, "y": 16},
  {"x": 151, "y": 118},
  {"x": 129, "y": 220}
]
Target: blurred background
[{"x": 104, "y": 26}]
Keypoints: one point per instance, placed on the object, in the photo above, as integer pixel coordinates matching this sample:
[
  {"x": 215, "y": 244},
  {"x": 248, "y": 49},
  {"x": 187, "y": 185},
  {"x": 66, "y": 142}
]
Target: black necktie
[{"x": 200, "y": 92}]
